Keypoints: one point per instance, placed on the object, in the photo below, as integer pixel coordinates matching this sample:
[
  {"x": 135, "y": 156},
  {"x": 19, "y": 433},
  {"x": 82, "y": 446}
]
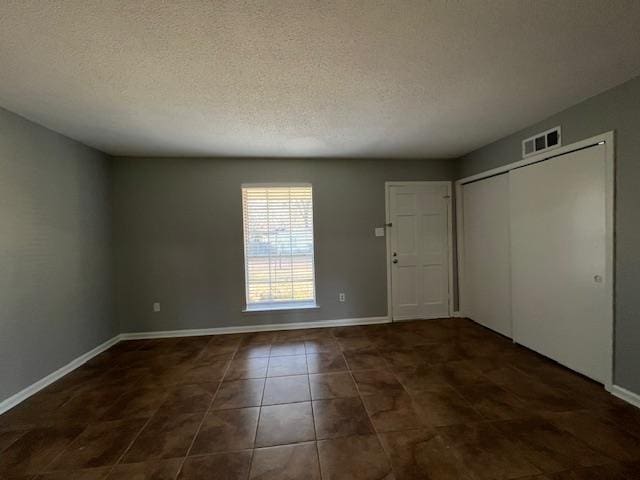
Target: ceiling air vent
[{"x": 541, "y": 142}]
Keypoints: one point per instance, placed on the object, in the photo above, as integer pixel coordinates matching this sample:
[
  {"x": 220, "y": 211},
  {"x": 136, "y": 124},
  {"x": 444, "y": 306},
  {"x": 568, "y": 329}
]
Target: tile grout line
[
  {"x": 390, "y": 369},
  {"x": 86, "y": 427},
  {"x": 255, "y": 447},
  {"x": 313, "y": 413},
  {"x": 255, "y": 436},
  {"x": 66, "y": 447},
  {"x": 142, "y": 429},
  {"x": 378, "y": 436},
  {"x": 375, "y": 430},
  {"x": 455, "y": 390},
  {"x": 406, "y": 391},
  {"x": 126, "y": 450},
  {"x": 206, "y": 413}
]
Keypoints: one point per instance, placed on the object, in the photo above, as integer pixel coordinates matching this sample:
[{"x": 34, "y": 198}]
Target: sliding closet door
[
  {"x": 558, "y": 251},
  {"x": 486, "y": 288}
]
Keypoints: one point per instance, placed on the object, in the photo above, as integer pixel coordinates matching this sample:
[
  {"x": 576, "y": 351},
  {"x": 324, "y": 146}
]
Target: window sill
[{"x": 280, "y": 308}]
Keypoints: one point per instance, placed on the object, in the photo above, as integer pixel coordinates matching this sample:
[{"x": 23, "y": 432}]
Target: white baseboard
[
  {"x": 626, "y": 395},
  {"x": 411, "y": 318},
  {"x": 344, "y": 322},
  {"x": 7, "y": 404},
  {"x": 22, "y": 395}
]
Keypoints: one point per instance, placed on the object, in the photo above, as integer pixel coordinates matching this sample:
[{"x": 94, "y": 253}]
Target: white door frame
[
  {"x": 387, "y": 189},
  {"x": 608, "y": 139}
]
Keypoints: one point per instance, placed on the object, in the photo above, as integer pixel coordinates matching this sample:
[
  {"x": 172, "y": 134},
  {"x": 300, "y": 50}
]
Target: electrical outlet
[
  {"x": 341, "y": 297},
  {"x": 156, "y": 306}
]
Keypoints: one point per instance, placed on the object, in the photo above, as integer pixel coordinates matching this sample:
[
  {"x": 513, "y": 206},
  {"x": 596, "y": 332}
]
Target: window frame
[{"x": 267, "y": 307}]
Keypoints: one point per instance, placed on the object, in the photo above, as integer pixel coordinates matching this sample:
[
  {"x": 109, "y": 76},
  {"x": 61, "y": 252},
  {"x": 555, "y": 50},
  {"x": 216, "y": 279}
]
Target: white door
[
  {"x": 486, "y": 286},
  {"x": 419, "y": 241},
  {"x": 558, "y": 254}
]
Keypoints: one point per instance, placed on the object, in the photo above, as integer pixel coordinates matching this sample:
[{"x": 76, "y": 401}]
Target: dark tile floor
[{"x": 436, "y": 400}]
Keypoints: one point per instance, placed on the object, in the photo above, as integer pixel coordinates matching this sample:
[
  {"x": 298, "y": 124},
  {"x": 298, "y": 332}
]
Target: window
[{"x": 278, "y": 246}]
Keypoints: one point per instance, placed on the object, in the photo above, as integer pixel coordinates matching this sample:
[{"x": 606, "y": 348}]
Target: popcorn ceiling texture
[{"x": 303, "y": 78}]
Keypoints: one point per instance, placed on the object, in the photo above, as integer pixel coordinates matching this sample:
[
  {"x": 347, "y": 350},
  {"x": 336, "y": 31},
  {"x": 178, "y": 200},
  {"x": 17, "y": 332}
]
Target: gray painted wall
[
  {"x": 178, "y": 237},
  {"x": 55, "y": 254},
  {"x": 617, "y": 109}
]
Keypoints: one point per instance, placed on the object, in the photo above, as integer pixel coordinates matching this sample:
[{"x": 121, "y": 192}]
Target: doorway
[{"x": 419, "y": 255}]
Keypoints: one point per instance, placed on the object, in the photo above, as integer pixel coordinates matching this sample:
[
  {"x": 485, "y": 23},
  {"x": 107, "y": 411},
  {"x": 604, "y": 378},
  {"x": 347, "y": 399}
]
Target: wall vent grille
[{"x": 542, "y": 142}]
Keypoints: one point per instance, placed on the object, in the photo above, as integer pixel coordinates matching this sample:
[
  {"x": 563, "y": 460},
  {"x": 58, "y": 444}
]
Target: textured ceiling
[{"x": 307, "y": 78}]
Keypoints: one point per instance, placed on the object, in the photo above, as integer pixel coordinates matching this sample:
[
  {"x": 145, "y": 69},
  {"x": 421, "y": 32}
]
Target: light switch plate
[{"x": 379, "y": 232}]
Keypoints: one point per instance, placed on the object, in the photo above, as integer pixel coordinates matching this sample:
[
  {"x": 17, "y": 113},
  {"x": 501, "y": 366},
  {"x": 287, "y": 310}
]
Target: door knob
[
  {"x": 597, "y": 278},
  {"x": 395, "y": 260}
]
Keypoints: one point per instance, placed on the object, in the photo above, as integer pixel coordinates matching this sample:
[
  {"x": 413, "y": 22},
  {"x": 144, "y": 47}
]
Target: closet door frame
[{"x": 608, "y": 139}]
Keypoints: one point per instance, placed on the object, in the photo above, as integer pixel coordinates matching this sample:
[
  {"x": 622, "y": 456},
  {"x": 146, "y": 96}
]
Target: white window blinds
[{"x": 278, "y": 246}]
